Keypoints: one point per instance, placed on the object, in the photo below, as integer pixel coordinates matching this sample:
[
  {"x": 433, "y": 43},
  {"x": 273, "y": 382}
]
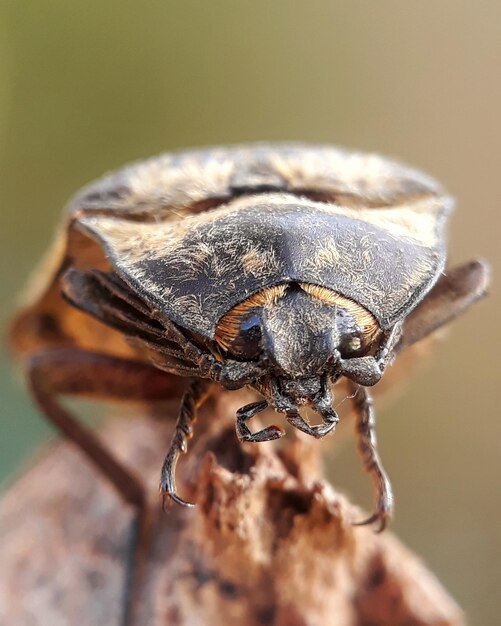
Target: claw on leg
[
  {"x": 381, "y": 519},
  {"x": 170, "y": 496}
]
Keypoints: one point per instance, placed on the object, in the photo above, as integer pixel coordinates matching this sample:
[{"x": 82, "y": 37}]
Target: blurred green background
[{"x": 88, "y": 86}]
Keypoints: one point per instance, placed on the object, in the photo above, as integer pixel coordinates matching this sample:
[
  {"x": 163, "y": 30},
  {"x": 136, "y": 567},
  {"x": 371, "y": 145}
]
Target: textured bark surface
[{"x": 270, "y": 541}]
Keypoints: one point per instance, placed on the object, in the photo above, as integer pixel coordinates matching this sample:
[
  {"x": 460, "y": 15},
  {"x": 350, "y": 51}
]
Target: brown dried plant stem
[{"x": 270, "y": 541}]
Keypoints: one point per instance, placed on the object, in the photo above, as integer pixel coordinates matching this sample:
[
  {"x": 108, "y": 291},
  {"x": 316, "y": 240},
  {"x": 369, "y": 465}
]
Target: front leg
[
  {"x": 194, "y": 397},
  {"x": 367, "y": 446},
  {"x": 231, "y": 374},
  {"x": 266, "y": 434}
]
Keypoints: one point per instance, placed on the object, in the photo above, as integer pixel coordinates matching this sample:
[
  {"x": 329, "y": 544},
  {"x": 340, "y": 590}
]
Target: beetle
[{"x": 285, "y": 268}]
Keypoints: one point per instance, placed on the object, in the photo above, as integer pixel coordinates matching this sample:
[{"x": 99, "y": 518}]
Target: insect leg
[
  {"x": 193, "y": 398},
  {"x": 244, "y": 434},
  {"x": 231, "y": 374},
  {"x": 74, "y": 372},
  {"x": 367, "y": 445},
  {"x": 454, "y": 292}
]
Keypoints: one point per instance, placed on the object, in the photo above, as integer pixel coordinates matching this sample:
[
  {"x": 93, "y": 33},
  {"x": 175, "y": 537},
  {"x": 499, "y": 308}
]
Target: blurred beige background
[{"x": 88, "y": 86}]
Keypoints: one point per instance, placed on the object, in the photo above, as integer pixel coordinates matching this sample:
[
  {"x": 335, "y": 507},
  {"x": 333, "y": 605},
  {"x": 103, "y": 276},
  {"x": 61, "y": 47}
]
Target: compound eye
[
  {"x": 249, "y": 341},
  {"x": 351, "y": 345},
  {"x": 352, "y": 342}
]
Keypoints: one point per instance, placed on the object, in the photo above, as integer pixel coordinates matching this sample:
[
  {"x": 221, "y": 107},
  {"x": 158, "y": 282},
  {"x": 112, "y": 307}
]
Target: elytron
[{"x": 288, "y": 269}]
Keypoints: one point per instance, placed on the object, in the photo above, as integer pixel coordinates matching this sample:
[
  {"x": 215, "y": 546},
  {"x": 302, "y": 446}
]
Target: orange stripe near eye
[
  {"x": 229, "y": 325},
  {"x": 365, "y": 320}
]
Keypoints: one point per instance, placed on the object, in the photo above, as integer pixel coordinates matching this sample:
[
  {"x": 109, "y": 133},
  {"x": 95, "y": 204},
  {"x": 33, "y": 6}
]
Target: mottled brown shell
[{"x": 196, "y": 233}]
